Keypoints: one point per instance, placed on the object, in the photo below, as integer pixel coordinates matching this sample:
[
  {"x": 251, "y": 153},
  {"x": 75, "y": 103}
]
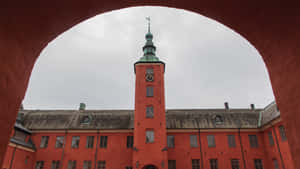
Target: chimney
[
  {"x": 226, "y": 105},
  {"x": 252, "y": 106},
  {"x": 82, "y": 106}
]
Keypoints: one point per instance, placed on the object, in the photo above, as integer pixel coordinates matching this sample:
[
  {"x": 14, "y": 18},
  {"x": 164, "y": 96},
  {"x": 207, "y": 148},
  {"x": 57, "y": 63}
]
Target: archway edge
[{"x": 26, "y": 27}]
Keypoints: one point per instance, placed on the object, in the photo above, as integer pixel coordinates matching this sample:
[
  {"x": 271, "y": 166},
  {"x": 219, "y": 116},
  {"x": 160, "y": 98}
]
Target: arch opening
[{"x": 261, "y": 24}]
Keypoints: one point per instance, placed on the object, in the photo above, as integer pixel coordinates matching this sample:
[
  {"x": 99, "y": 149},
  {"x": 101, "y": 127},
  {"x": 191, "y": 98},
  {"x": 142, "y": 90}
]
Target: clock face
[{"x": 149, "y": 77}]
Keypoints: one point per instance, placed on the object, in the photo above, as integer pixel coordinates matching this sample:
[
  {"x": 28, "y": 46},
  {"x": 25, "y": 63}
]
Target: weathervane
[{"x": 148, "y": 19}]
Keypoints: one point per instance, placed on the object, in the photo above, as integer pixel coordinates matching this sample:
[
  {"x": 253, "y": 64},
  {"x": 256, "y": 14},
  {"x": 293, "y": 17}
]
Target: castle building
[{"x": 149, "y": 137}]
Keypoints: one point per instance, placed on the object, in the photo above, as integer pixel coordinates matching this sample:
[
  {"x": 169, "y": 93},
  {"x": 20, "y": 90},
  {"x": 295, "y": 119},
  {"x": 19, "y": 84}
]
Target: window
[
  {"x": 72, "y": 164},
  {"x": 213, "y": 163},
  {"x": 282, "y": 133},
  {"x": 253, "y": 141},
  {"x": 75, "y": 141},
  {"x": 103, "y": 141},
  {"x": 275, "y": 164},
  {"x": 101, "y": 165},
  {"x": 59, "y": 142},
  {"x": 89, "y": 141},
  {"x": 271, "y": 140},
  {"x": 128, "y": 167},
  {"x": 171, "y": 164},
  {"x": 193, "y": 141},
  {"x": 258, "y": 164},
  {"x": 55, "y": 164},
  {"x": 149, "y": 71},
  {"x": 171, "y": 141},
  {"x": 231, "y": 141},
  {"x": 195, "y": 164},
  {"x": 44, "y": 142},
  {"x": 39, "y": 165},
  {"x": 235, "y": 164},
  {"x": 19, "y": 135},
  {"x": 149, "y": 92},
  {"x": 149, "y": 136},
  {"x": 129, "y": 141},
  {"x": 87, "y": 164},
  {"x": 149, "y": 112},
  {"x": 219, "y": 119},
  {"x": 211, "y": 141}
]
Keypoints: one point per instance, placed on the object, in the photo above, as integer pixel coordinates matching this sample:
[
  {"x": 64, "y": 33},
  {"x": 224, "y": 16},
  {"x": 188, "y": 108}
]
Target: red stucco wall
[
  {"x": 22, "y": 159},
  {"x": 150, "y": 153},
  {"x": 117, "y": 155}
]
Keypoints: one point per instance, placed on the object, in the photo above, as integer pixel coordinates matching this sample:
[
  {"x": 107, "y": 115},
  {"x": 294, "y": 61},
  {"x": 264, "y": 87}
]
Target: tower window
[
  {"x": 149, "y": 136},
  {"x": 89, "y": 141},
  {"x": 275, "y": 164},
  {"x": 253, "y": 141},
  {"x": 59, "y": 142},
  {"x": 282, "y": 133},
  {"x": 101, "y": 165},
  {"x": 149, "y": 112},
  {"x": 149, "y": 91},
  {"x": 258, "y": 164},
  {"x": 87, "y": 164},
  {"x": 149, "y": 71},
  {"x": 39, "y": 165},
  {"x": 270, "y": 136},
  {"x": 213, "y": 163},
  {"x": 235, "y": 164},
  {"x": 195, "y": 164},
  {"x": 193, "y": 141},
  {"x": 75, "y": 141},
  {"x": 129, "y": 141},
  {"x": 103, "y": 141},
  {"x": 72, "y": 164},
  {"x": 55, "y": 164},
  {"x": 171, "y": 141},
  {"x": 171, "y": 164},
  {"x": 211, "y": 141},
  {"x": 44, "y": 142},
  {"x": 231, "y": 141}
]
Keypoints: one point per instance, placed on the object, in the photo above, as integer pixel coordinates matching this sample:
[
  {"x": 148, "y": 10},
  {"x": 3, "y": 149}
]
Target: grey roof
[
  {"x": 28, "y": 144},
  {"x": 270, "y": 113},
  {"x": 124, "y": 119}
]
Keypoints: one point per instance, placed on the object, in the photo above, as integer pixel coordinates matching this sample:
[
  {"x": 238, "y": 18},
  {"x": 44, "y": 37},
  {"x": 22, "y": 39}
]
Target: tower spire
[
  {"x": 148, "y": 19},
  {"x": 149, "y": 48}
]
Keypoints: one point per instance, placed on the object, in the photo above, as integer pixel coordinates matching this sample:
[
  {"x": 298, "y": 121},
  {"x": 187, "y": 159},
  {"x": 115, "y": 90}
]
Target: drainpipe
[
  {"x": 12, "y": 157},
  {"x": 278, "y": 147},
  {"x": 63, "y": 150},
  {"x": 242, "y": 149},
  {"x": 200, "y": 146},
  {"x": 96, "y": 153}
]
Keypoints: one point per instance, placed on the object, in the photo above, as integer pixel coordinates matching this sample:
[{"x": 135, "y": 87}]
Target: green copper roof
[{"x": 149, "y": 48}]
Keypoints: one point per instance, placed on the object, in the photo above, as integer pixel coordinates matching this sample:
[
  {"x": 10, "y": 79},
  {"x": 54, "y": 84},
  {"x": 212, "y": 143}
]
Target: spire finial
[{"x": 148, "y": 19}]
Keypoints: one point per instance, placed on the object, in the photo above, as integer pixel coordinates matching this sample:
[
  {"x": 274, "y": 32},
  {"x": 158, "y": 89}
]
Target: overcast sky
[{"x": 206, "y": 63}]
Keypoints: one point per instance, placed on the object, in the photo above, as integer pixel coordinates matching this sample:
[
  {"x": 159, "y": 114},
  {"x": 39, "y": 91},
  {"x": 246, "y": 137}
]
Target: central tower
[{"x": 150, "y": 135}]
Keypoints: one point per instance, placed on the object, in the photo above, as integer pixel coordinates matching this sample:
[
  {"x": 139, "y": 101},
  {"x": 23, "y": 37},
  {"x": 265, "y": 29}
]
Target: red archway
[{"x": 272, "y": 27}]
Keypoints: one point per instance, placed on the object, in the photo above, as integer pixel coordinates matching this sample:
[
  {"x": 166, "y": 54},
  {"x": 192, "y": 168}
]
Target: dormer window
[
  {"x": 86, "y": 119},
  {"x": 218, "y": 119}
]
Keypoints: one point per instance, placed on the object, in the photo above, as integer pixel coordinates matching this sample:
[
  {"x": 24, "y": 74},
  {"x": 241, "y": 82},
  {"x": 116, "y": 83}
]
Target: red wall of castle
[
  {"x": 150, "y": 153},
  {"x": 18, "y": 157},
  {"x": 279, "y": 147},
  {"x": 117, "y": 155}
]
